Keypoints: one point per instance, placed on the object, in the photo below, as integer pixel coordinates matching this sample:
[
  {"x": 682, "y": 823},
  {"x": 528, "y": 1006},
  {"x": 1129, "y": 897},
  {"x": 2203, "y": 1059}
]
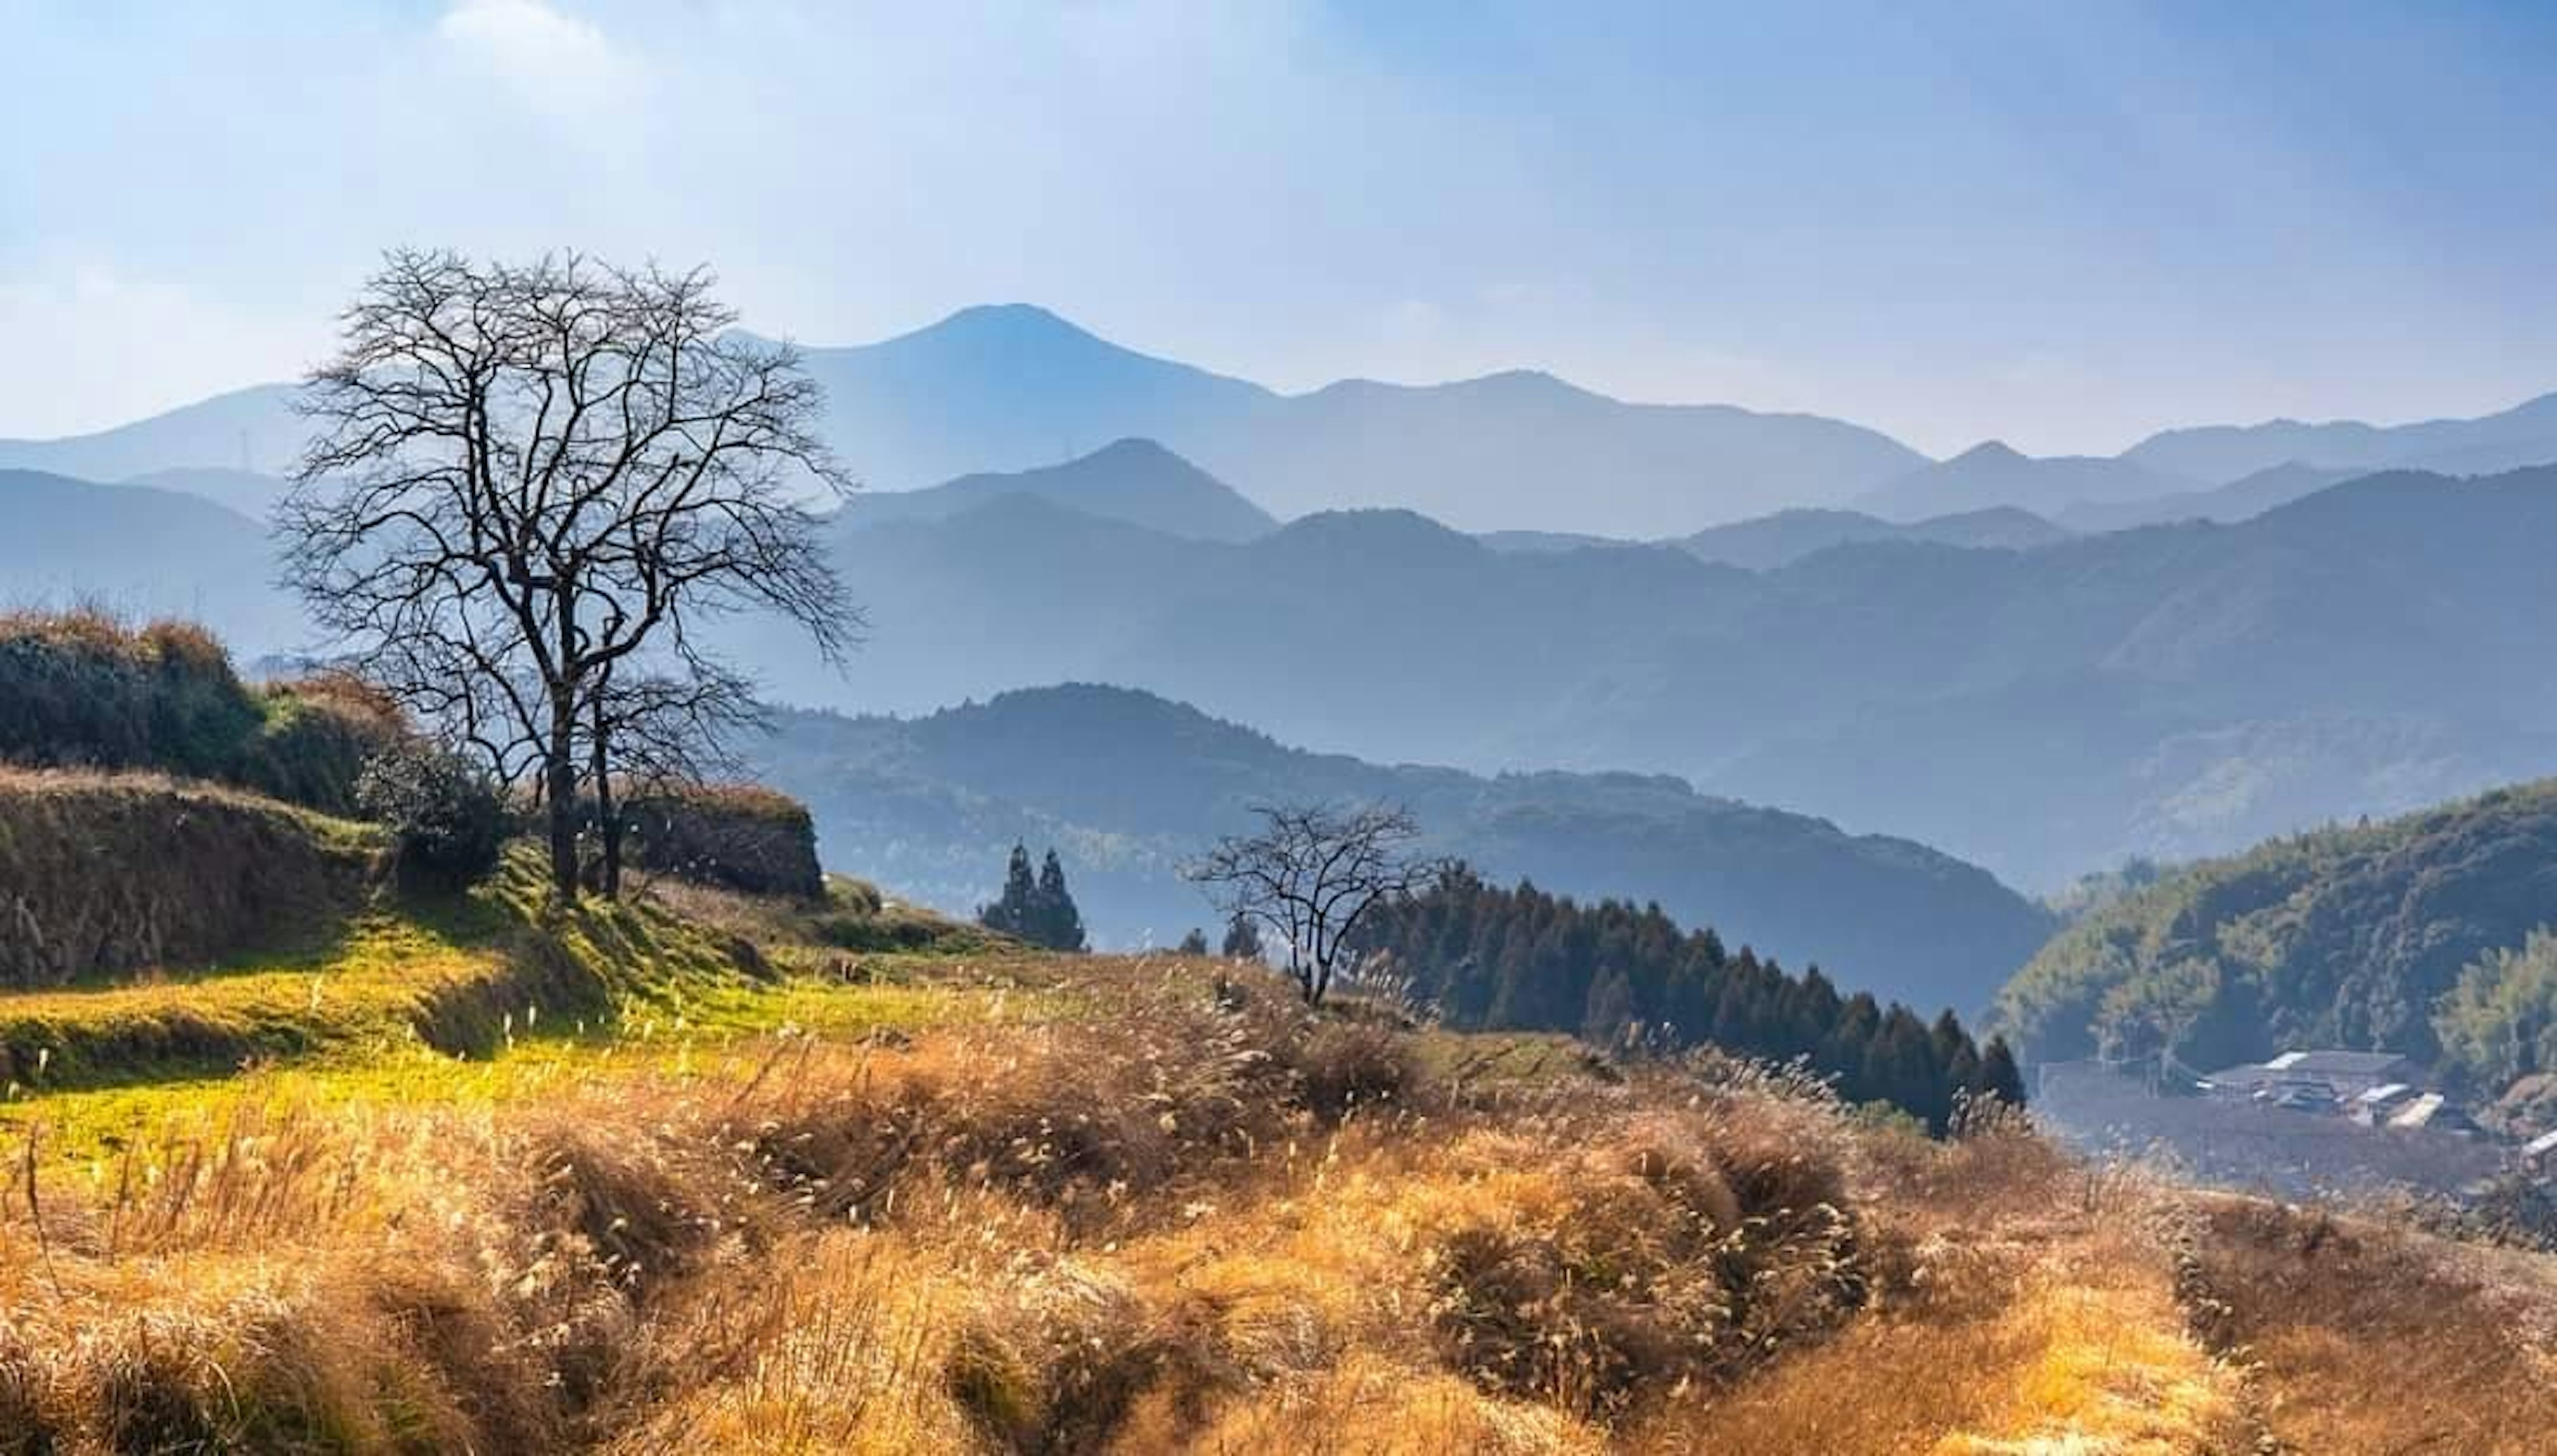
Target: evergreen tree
[
  {"x": 1014, "y": 912},
  {"x": 1059, "y": 925},
  {"x": 1610, "y": 1009},
  {"x": 1242, "y": 939},
  {"x": 1526, "y": 960},
  {"x": 1194, "y": 943},
  {"x": 1999, "y": 1077}
]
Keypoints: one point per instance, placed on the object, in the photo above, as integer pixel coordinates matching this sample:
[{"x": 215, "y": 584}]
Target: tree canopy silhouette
[
  {"x": 1310, "y": 875},
  {"x": 529, "y": 488}
]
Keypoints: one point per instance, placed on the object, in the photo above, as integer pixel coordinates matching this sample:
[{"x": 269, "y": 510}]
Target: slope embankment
[{"x": 102, "y": 874}]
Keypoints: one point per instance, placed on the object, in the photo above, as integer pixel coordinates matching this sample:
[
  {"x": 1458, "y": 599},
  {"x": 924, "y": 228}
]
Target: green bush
[
  {"x": 448, "y": 822},
  {"x": 738, "y": 836},
  {"x": 80, "y": 689}
]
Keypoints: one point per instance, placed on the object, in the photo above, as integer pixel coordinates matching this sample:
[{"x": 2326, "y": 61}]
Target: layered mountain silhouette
[
  {"x": 1787, "y": 536},
  {"x": 2169, "y": 691},
  {"x": 1012, "y": 387},
  {"x": 139, "y": 552},
  {"x": 1994, "y": 473},
  {"x": 1134, "y": 480},
  {"x": 249, "y": 429},
  {"x": 2525, "y": 435},
  {"x": 1134, "y": 788},
  {"x": 2239, "y": 499}
]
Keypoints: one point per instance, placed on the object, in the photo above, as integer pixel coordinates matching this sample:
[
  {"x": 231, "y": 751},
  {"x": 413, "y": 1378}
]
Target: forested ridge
[
  {"x": 1521, "y": 958},
  {"x": 2349, "y": 937}
]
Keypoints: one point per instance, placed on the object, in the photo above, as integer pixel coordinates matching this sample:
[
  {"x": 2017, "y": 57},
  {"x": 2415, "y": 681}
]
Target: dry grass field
[
  {"x": 1151, "y": 1214},
  {"x": 690, "y": 1175}
]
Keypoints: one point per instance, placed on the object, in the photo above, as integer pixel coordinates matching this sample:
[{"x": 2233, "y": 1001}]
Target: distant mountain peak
[
  {"x": 1009, "y": 325},
  {"x": 1132, "y": 479},
  {"x": 1137, "y": 449},
  {"x": 1989, "y": 452}
]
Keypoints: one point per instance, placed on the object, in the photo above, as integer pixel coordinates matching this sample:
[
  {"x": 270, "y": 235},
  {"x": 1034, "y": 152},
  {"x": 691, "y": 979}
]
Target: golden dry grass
[{"x": 1161, "y": 1213}]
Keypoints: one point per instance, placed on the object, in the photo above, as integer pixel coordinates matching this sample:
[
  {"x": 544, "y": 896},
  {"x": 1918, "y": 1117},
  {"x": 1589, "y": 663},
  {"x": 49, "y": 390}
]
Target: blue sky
[{"x": 2061, "y": 224}]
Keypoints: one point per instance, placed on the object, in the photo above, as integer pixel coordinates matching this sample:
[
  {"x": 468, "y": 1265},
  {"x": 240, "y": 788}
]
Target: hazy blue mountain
[
  {"x": 1011, "y": 388},
  {"x": 1128, "y": 787},
  {"x": 1995, "y": 474},
  {"x": 1134, "y": 480},
  {"x": 1003, "y": 387},
  {"x": 2170, "y": 691},
  {"x": 141, "y": 551},
  {"x": 247, "y": 492},
  {"x": 1528, "y": 450},
  {"x": 251, "y": 429},
  {"x": 1787, "y": 536},
  {"x": 1547, "y": 540},
  {"x": 2239, "y": 499},
  {"x": 2525, "y": 435}
]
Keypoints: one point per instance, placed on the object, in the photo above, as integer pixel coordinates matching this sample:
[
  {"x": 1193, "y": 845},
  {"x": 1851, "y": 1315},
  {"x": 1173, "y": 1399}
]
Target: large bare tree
[
  {"x": 1311, "y": 874},
  {"x": 525, "y": 479}
]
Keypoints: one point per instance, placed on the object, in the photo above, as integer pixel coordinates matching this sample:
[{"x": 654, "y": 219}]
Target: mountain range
[
  {"x": 140, "y": 551},
  {"x": 1995, "y": 474},
  {"x": 1137, "y": 482},
  {"x": 2169, "y": 692},
  {"x": 1768, "y": 542},
  {"x": 2026, "y": 684},
  {"x": 1011, "y": 388},
  {"x": 2525, "y": 435},
  {"x": 1130, "y": 787}
]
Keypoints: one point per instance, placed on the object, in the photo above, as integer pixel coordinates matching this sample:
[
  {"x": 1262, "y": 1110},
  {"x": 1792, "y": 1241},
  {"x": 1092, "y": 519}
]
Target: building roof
[
  {"x": 2338, "y": 1063},
  {"x": 2425, "y": 1110},
  {"x": 2545, "y": 1143},
  {"x": 2384, "y": 1092},
  {"x": 2309, "y": 1066}
]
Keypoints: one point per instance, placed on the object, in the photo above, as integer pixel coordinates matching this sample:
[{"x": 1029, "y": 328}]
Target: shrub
[
  {"x": 738, "y": 837},
  {"x": 447, "y": 821},
  {"x": 82, "y": 690},
  {"x": 316, "y": 738}
]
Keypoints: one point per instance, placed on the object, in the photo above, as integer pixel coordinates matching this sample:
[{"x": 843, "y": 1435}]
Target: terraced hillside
[{"x": 710, "y": 1172}]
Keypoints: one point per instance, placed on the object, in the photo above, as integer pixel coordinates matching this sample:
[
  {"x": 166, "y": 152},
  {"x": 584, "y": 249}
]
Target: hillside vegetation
[
  {"x": 83, "y": 689},
  {"x": 2167, "y": 692},
  {"x": 2344, "y": 937},
  {"x": 2160, "y": 692},
  {"x": 1617, "y": 975},
  {"x": 1131, "y": 788},
  {"x": 786, "y": 1173},
  {"x": 971, "y": 1199}
]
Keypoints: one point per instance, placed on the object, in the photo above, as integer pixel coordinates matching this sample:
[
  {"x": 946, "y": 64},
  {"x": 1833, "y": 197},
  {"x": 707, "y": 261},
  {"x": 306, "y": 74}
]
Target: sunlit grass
[{"x": 703, "y": 1176}]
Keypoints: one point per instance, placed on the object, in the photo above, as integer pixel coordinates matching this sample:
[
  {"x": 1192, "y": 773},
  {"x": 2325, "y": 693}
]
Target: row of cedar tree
[{"x": 1524, "y": 959}]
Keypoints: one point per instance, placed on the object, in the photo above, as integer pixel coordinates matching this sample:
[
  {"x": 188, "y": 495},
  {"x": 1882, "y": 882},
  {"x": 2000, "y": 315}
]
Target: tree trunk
[
  {"x": 607, "y": 816},
  {"x": 560, "y": 771}
]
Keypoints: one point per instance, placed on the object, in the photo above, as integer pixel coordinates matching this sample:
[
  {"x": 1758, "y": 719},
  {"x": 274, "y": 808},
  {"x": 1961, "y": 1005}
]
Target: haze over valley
[{"x": 2041, "y": 666}]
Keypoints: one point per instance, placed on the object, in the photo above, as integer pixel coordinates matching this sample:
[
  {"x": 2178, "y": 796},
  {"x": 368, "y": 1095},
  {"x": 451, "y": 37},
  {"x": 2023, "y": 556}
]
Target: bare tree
[
  {"x": 1311, "y": 874},
  {"x": 523, "y": 478}
]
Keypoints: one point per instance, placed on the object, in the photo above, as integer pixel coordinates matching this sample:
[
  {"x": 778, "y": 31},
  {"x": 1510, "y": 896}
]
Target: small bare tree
[
  {"x": 1311, "y": 874},
  {"x": 649, "y": 730},
  {"x": 526, "y": 480}
]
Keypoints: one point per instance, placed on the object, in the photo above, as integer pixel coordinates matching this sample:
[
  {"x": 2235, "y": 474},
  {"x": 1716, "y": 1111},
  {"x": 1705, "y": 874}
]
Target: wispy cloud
[{"x": 550, "y": 58}]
